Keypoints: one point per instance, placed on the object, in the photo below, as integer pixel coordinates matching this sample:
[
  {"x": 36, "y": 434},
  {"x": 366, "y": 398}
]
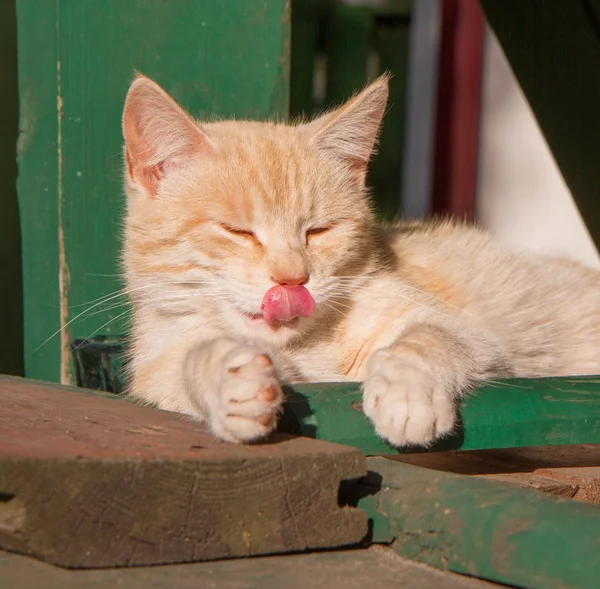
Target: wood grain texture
[
  {"x": 89, "y": 481},
  {"x": 216, "y": 58},
  {"x": 482, "y": 528},
  {"x": 349, "y": 569},
  {"x": 537, "y": 482},
  {"x": 569, "y": 471}
]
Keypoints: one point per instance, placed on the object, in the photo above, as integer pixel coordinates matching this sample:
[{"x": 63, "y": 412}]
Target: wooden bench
[
  {"x": 130, "y": 485},
  {"x": 88, "y": 481}
]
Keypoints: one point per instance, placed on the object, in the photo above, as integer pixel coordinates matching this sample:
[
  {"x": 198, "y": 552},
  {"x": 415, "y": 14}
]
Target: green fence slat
[
  {"x": 349, "y": 31},
  {"x": 508, "y": 413},
  {"x": 505, "y": 414},
  {"x": 305, "y": 41},
  {"x": 385, "y": 175},
  {"x": 38, "y": 184},
  {"x": 76, "y": 60},
  {"x": 518, "y": 537}
]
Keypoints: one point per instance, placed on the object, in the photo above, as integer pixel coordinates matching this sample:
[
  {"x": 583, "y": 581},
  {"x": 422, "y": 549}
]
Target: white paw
[
  {"x": 405, "y": 401},
  {"x": 247, "y": 401}
]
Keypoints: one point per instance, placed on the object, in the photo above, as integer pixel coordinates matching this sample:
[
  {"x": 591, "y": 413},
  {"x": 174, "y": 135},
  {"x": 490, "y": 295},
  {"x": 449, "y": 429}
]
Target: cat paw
[
  {"x": 406, "y": 403},
  {"x": 247, "y": 402}
]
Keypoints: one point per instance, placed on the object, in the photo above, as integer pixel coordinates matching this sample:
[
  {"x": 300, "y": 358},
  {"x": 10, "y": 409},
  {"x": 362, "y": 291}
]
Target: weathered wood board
[
  {"x": 568, "y": 471},
  {"x": 349, "y": 569},
  {"x": 86, "y": 481},
  {"x": 514, "y": 536}
]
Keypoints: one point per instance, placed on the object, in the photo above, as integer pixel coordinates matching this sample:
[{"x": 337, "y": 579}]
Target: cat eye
[
  {"x": 237, "y": 231},
  {"x": 316, "y": 231}
]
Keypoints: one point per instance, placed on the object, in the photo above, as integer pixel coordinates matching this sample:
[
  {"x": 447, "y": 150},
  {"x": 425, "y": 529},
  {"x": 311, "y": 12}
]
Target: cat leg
[
  {"x": 411, "y": 387},
  {"x": 228, "y": 383},
  {"x": 234, "y": 387}
]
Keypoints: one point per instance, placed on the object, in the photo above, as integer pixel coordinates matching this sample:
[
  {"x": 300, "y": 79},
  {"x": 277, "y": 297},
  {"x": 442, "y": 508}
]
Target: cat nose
[{"x": 287, "y": 281}]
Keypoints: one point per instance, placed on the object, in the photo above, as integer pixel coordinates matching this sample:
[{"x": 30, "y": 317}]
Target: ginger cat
[{"x": 253, "y": 257}]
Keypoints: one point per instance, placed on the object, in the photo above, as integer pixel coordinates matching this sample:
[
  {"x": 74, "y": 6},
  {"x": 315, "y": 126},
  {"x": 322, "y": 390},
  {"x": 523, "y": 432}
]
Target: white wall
[{"x": 522, "y": 196}]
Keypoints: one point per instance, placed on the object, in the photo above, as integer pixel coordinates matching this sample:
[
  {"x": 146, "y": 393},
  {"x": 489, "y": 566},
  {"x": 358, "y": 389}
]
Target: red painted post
[{"x": 459, "y": 92}]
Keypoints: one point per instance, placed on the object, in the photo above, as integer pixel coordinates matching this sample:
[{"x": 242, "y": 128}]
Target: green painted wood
[
  {"x": 11, "y": 314},
  {"x": 215, "y": 58},
  {"x": 387, "y": 8},
  {"x": 306, "y": 16},
  {"x": 519, "y": 537},
  {"x": 511, "y": 413},
  {"x": 554, "y": 50},
  {"x": 385, "y": 175},
  {"x": 506, "y": 414},
  {"x": 363, "y": 41},
  {"x": 349, "y": 29}
]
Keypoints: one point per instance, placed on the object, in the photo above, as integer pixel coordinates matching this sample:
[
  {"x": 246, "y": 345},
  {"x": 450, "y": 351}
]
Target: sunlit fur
[{"x": 420, "y": 312}]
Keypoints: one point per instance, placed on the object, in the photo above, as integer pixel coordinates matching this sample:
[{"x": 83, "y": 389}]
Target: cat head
[{"x": 219, "y": 213}]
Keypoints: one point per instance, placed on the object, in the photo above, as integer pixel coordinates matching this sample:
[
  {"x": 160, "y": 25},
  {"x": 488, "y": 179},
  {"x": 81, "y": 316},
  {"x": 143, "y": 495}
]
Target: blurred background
[
  {"x": 459, "y": 136},
  {"x": 493, "y": 117}
]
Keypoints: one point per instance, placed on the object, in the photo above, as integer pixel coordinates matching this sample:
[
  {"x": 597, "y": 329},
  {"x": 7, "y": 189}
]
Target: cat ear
[
  {"x": 350, "y": 132},
  {"x": 159, "y": 135}
]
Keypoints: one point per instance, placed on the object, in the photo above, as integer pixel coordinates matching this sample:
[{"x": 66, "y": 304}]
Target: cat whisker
[
  {"x": 331, "y": 308},
  {"x": 112, "y": 296},
  {"x": 126, "y": 291},
  {"x": 337, "y": 303},
  {"x": 62, "y": 328},
  {"x": 99, "y": 329},
  {"x": 505, "y": 384}
]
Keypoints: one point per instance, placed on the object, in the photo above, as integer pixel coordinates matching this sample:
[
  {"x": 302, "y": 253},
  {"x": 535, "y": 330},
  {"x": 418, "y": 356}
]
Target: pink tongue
[{"x": 284, "y": 303}]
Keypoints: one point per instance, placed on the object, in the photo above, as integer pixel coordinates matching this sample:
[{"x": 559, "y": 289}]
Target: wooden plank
[
  {"x": 481, "y": 528},
  {"x": 350, "y": 569},
  {"x": 508, "y": 460},
  {"x": 11, "y": 312},
  {"x": 504, "y": 414},
  {"x": 88, "y": 481},
  {"x": 586, "y": 481},
  {"x": 37, "y": 184},
  {"x": 569, "y": 471},
  {"x": 537, "y": 482},
  {"x": 215, "y": 58},
  {"x": 562, "y": 86},
  {"x": 509, "y": 413}
]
